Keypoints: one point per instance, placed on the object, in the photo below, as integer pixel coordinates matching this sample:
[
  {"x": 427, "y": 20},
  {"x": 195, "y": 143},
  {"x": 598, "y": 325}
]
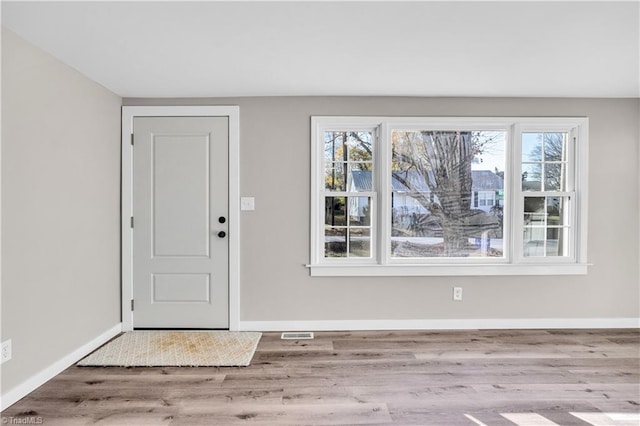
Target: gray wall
[
  {"x": 60, "y": 209},
  {"x": 275, "y": 150}
]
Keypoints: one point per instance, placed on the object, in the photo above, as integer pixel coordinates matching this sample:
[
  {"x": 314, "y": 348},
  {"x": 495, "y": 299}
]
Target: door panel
[
  {"x": 180, "y": 195},
  {"x": 180, "y": 189},
  {"x": 175, "y": 288}
]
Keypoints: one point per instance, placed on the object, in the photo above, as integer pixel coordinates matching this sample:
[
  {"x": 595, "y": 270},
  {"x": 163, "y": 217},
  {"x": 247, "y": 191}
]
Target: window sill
[{"x": 408, "y": 270}]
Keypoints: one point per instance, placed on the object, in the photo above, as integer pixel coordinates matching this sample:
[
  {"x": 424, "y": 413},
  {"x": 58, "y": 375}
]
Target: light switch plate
[{"x": 247, "y": 203}]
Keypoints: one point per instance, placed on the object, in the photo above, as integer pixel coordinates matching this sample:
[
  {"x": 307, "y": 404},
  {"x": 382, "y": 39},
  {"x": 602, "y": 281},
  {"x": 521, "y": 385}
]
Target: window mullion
[
  {"x": 571, "y": 183},
  {"x": 517, "y": 205},
  {"x": 383, "y": 179}
]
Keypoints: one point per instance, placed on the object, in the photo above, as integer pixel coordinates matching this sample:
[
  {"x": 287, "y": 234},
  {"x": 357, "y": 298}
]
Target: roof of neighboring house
[
  {"x": 482, "y": 180},
  {"x": 486, "y": 180}
]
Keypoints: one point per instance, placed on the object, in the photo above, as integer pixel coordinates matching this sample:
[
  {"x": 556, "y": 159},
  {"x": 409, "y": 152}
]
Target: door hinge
[
  {"x": 132, "y": 304},
  {"x": 131, "y": 222},
  {"x": 131, "y": 139}
]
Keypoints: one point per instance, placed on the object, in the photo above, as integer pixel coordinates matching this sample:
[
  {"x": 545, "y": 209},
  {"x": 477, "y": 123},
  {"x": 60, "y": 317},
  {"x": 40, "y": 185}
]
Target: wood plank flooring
[{"x": 443, "y": 378}]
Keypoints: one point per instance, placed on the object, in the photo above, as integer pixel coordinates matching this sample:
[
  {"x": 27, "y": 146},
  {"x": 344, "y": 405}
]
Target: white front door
[{"x": 180, "y": 222}]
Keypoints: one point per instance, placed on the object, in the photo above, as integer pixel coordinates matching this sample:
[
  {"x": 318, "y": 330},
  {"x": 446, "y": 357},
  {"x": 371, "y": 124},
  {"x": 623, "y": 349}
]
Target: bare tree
[
  {"x": 443, "y": 159},
  {"x": 553, "y": 154}
]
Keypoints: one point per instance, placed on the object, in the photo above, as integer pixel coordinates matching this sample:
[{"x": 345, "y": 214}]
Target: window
[
  {"x": 348, "y": 193},
  {"x": 547, "y": 199},
  {"x": 446, "y": 176},
  {"x": 448, "y": 196}
]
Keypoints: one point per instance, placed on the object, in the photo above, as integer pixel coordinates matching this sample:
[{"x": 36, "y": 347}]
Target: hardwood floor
[{"x": 526, "y": 377}]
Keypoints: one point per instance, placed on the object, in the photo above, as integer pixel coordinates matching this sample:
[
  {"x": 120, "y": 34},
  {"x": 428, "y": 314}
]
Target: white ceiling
[{"x": 419, "y": 48}]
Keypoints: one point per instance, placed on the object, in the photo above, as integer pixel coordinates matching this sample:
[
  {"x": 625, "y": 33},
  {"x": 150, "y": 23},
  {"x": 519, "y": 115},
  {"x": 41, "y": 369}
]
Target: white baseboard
[
  {"x": 32, "y": 383},
  {"x": 443, "y": 324}
]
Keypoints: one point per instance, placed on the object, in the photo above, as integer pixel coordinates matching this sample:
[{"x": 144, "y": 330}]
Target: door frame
[{"x": 128, "y": 113}]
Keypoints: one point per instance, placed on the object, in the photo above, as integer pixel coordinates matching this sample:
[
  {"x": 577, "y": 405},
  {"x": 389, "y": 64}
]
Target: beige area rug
[{"x": 176, "y": 348}]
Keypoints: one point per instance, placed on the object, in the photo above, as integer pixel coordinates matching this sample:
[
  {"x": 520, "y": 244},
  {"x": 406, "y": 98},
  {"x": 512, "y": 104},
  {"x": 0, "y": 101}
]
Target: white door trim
[{"x": 233, "y": 112}]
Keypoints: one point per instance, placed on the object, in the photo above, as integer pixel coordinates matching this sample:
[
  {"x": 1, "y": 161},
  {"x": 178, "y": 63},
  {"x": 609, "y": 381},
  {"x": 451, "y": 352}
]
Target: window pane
[
  {"x": 485, "y": 198},
  {"x": 557, "y": 241},
  {"x": 347, "y": 146},
  {"x": 534, "y": 211},
  {"x": 335, "y": 242},
  {"x": 534, "y": 241},
  {"x": 335, "y": 211},
  {"x": 540, "y": 242},
  {"x": 359, "y": 211},
  {"x": 437, "y": 177},
  {"x": 545, "y": 230},
  {"x": 359, "y": 146},
  {"x": 531, "y": 177},
  {"x": 359, "y": 242},
  {"x": 531, "y": 147},
  {"x": 556, "y": 210},
  {"x": 554, "y": 177},
  {"x": 555, "y": 146},
  {"x": 360, "y": 178},
  {"x": 334, "y": 177},
  {"x": 334, "y": 147},
  {"x": 554, "y": 236}
]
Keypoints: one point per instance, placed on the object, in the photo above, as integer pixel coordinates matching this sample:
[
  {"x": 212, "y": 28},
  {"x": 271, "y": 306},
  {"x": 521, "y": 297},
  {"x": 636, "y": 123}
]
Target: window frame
[
  {"x": 340, "y": 124},
  {"x": 576, "y": 190},
  {"x": 514, "y": 262}
]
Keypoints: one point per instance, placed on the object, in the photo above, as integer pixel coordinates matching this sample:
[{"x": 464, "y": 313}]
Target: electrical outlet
[
  {"x": 6, "y": 351},
  {"x": 457, "y": 294}
]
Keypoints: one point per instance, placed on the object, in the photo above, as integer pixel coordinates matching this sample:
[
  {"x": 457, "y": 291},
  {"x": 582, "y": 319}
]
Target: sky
[{"x": 493, "y": 153}]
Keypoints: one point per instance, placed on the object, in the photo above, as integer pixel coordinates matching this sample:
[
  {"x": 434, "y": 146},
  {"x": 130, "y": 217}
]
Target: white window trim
[
  {"x": 317, "y": 187},
  {"x": 514, "y": 263},
  {"x": 578, "y": 128}
]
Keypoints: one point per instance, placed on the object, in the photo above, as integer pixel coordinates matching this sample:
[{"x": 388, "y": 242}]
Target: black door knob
[
  {"x": 222, "y": 219},
  {"x": 222, "y": 234}
]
